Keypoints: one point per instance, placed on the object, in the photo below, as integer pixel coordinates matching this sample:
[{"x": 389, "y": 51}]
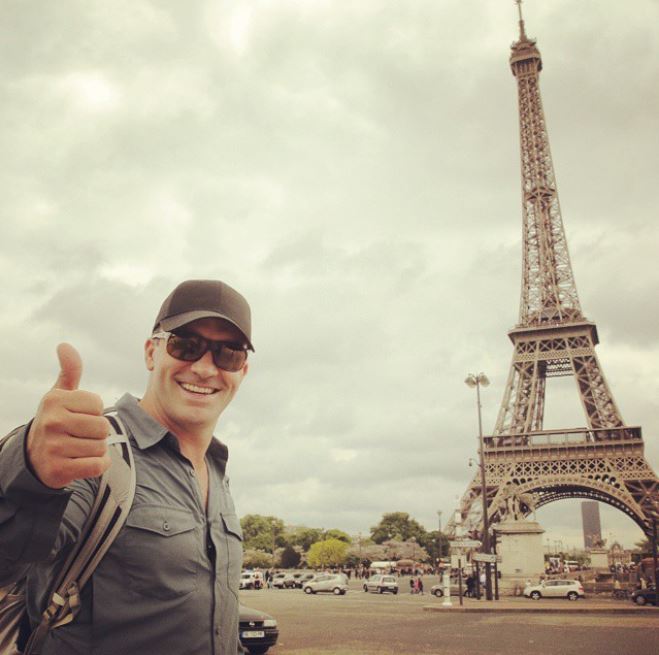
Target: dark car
[
  {"x": 258, "y": 630},
  {"x": 644, "y": 596},
  {"x": 291, "y": 580}
]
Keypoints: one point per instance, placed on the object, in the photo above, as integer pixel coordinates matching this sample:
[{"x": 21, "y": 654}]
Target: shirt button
[
  {"x": 165, "y": 526},
  {"x": 217, "y": 630}
]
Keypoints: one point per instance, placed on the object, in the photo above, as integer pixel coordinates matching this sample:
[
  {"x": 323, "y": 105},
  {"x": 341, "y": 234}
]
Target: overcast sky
[{"x": 353, "y": 169}]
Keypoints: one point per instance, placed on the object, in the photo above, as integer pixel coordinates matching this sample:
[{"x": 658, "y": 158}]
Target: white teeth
[{"x": 195, "y": 389}]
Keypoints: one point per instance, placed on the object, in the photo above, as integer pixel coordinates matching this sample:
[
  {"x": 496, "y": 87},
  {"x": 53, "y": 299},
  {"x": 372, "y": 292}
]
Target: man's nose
[{"x": 205, "y": 366}]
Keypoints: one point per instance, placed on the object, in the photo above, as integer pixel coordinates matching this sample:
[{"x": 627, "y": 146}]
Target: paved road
[{"x": 366, "y": 624}]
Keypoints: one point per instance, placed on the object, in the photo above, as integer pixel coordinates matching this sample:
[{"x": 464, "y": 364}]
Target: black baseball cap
[{"x": 194, "y": 299}]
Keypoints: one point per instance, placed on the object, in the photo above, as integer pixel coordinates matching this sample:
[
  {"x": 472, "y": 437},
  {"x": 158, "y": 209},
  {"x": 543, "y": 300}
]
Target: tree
[
  {"x": 338, "y": 534},
  {"x": 290, "y": 558},
  {"x": 436, "y": 543},
  {"x": 260, "y": 531},
  {"x": 331, "y": 552},
  {"x": 366, "y": 552},
  {"x": 410, "y": 549},
  {"x": 256, "y": 559},
  {"x": 305, "y": 537},
  {"x": 644, "y": 547},
  {"x": 399, "y": 526}
]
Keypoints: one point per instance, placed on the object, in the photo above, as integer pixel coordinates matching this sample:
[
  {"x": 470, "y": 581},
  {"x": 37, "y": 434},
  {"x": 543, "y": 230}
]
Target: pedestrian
[
  {"x": 419, "y": 585},
  {"x": 412, "y": 585},
  {"x": 169, "y": 582},
  {"x": 469, "y": 583}
]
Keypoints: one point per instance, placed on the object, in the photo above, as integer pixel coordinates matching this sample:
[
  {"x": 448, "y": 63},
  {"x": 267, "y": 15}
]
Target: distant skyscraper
[{"x": 592, "y": 528}]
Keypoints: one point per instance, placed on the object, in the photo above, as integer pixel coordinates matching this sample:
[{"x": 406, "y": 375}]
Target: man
[{"x": 169, "y": 583}]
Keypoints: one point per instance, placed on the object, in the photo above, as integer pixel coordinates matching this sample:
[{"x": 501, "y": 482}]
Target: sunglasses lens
[
  {"x": 229, "y": 359},
  {"x": 188, "y": 349}
]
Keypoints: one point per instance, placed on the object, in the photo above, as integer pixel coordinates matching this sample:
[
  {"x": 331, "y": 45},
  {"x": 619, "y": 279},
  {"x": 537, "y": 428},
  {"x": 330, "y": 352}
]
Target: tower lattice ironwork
[{"x": 603, "y": 461}]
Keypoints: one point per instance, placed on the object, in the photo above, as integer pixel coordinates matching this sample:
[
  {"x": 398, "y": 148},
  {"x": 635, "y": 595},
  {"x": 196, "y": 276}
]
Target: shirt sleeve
[{"x": 33, "y": 525}]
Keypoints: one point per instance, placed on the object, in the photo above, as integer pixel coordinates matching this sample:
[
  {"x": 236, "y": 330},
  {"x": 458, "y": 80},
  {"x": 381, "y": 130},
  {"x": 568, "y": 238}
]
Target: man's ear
[{"x": 149, "y": 349}]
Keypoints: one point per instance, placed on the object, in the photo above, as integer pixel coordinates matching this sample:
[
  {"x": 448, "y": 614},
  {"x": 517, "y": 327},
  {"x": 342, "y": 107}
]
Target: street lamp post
[
  {"x": 439, "y": 536},
  {"x": 478, "y": 381},
  {"x": 272, "y": 525},
  {"x": 654, "y": 552}
]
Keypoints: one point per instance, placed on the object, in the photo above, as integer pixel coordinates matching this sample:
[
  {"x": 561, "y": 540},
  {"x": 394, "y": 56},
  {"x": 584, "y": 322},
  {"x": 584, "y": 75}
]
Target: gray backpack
[{"x": 113, "y": 501}]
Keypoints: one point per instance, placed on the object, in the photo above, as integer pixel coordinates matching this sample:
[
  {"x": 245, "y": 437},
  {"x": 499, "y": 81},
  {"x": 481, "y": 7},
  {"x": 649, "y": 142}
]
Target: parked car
[
  {"x": 382, "y": 583},
  {"x": 326, "y": 582},
  {"x": 251, "y": 580},
  {"x": 438, "y": 590},
  {"x": 258, "y": 630},
  {"x": 290, "y": 581},
  {"x": 570, "y": 589},
  {"x": 278, "y": 580},
  {"x": 305, "y": 577},
  {"x": 644, "y": 596}
]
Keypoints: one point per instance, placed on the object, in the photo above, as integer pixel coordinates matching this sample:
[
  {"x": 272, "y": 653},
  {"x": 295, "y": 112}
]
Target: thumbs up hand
[{"x": 66, "y": 440}]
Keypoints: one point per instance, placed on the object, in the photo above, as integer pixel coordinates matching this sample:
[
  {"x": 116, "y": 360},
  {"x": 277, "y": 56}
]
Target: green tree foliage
[
  {"x": 436, "y": 544},
  {"x": 258, "y": 532},
  {"x": 290, "y": 558},
  {"x": 304, "y": 537},
  {"x": 331, "y": 552},
  {"x": 397, "y": 525},
  {"x": 256, "y": 559},
  {"x": 338, "y": 534}
]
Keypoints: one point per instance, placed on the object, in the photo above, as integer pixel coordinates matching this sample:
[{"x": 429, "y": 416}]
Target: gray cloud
[{"x": 353, "y": 169}]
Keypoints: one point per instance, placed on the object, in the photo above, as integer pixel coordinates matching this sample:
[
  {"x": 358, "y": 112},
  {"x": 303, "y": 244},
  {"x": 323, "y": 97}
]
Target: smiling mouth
[{"x": 201, "y": 391}]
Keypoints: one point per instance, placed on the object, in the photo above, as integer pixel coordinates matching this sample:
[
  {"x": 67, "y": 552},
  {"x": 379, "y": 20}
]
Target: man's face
[{"x": 189, "y": 397}]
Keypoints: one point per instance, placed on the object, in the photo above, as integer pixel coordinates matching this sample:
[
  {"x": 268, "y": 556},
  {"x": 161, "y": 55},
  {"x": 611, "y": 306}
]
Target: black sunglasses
[{"x": 227, "y": 355}]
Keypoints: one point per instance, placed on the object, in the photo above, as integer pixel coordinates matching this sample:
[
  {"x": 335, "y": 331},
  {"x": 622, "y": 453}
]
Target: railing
[{"x": 575, "y": 436}]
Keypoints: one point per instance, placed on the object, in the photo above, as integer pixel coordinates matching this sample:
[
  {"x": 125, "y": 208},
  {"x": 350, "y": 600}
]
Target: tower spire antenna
[{"x": 522, "y": 32}]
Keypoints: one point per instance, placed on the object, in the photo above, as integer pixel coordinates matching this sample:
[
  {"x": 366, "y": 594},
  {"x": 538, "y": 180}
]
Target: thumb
[{"x": 70, "y": 366}]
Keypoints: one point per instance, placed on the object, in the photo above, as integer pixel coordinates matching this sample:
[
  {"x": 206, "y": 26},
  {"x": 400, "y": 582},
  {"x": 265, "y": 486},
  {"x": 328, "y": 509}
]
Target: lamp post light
[{"x": 479, "y": 381}]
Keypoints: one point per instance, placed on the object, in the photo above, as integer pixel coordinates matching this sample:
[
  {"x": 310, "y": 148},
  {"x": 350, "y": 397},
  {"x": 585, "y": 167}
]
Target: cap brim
[{"x": 175, "y": 322}]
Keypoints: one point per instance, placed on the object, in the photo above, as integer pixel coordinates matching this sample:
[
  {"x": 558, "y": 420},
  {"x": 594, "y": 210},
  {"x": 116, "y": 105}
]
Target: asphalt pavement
[{"x": 408, "y": 624}]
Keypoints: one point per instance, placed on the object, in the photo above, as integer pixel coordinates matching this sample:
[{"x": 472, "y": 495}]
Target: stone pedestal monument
[
  {"x": 519, "y": 542},
  {"x": 599, "y": 559},
  {"x": 521, "y": 551}
]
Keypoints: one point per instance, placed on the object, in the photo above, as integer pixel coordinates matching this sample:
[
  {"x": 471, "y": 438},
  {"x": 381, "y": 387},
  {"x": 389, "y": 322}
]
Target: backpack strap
[{"x": 111, "y": 506}]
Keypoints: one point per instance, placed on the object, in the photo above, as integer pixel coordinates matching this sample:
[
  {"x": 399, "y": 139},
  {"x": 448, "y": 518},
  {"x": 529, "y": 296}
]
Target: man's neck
[{"x": 193, "y": 444}]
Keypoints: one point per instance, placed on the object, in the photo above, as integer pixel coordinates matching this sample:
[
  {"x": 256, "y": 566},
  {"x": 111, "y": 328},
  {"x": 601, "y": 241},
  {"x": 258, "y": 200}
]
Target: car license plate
[{"x": 253, "y": 634}]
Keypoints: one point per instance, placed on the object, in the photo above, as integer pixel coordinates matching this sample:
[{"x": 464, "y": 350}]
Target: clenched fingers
[
  {"x": 79, "y": 468},
  {"x": 76, "y": 447},
  {"x": 78, "y": 401}
]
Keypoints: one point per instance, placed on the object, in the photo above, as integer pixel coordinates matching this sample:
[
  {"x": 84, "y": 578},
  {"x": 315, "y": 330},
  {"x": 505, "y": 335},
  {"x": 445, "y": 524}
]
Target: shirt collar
[{"x": 147, "y": 432}]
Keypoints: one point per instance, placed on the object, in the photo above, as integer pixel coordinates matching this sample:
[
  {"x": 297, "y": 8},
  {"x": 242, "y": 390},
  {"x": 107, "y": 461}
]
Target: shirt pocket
[
  {"x": 160, "y": 551},
  {"x": 234, "y": 541}
]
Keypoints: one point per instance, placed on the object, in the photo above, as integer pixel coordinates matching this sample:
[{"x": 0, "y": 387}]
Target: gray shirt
[{"x": 169, "y": 582}]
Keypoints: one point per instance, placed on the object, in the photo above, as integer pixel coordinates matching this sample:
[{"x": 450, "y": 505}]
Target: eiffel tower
[{"x": 603, "y": 461}]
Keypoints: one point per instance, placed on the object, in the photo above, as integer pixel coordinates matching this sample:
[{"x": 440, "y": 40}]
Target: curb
[{"x": 629, "y": 611}]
